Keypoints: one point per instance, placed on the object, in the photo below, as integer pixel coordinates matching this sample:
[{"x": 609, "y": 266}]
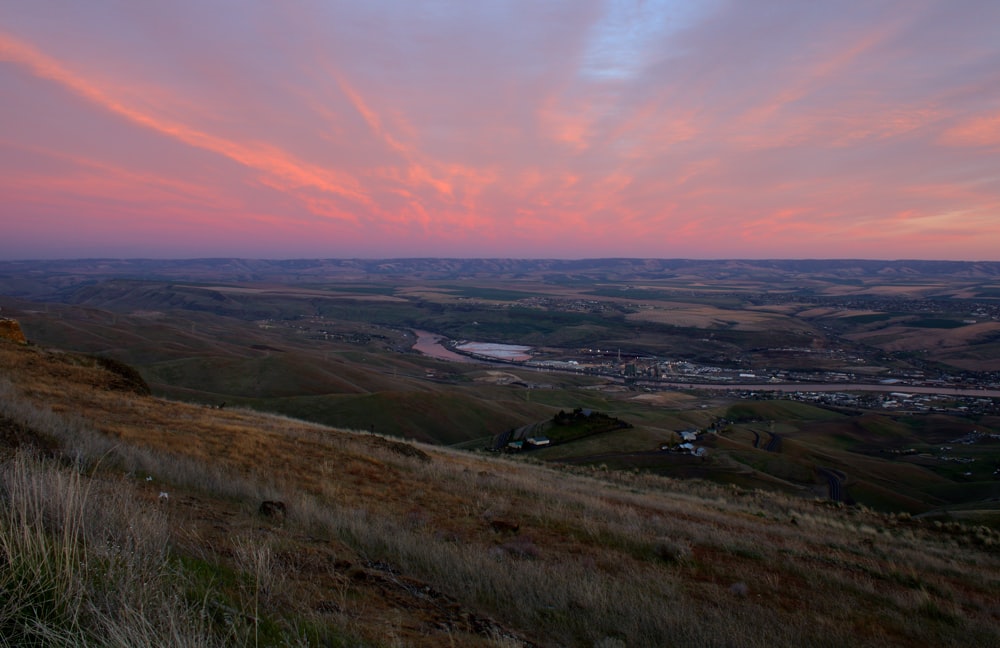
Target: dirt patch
[
  {"x": 667, "y": 399},
  {"x": 497, "y": 378}
]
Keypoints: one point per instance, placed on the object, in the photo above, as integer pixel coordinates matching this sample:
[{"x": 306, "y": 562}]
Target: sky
[{"x": 500, "y": 128}]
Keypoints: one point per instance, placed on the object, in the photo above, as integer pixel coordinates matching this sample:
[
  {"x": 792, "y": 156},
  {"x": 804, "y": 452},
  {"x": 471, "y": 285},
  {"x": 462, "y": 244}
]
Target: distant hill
[{"x": 54, "y": 279}]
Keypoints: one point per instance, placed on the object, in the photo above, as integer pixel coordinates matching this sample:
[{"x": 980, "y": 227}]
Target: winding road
[
  {"x": 835, "y": 481},
  {"x": 774, "y": 445}
]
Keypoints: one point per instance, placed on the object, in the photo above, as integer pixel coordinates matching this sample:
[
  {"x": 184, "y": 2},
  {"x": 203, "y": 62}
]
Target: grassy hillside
[
  {"x": 129, "y": 520},
  {"x": 362, "y": 375}
]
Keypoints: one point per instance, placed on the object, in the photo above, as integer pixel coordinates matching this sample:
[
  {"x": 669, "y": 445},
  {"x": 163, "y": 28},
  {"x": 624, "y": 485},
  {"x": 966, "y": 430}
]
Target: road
[
  {"x": 826, "y": 387},
  {"x": 835, "y": 480},
  {"x": 774, "y": 445}
]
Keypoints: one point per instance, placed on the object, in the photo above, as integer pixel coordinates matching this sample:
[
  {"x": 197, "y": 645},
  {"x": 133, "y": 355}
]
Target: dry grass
[
  {"x": 908, "y": 339},
  {"x": 387, "y": 545},
  {"x": 666, "y": 399},
  {"x": 84, "y": 563},
  {"x": 701, "y": 316}
]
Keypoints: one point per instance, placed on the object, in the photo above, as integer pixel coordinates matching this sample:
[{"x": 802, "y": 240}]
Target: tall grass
[
  {"x": 85, "y": 561},
  {"x": 83, "y": 564},
  {"x": 40, "y": 558}
]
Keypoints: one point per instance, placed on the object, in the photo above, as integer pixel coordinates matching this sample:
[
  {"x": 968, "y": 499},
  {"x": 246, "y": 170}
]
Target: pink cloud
[
  {"x": 979, "y": 131},
  {"x": 563, "y": 128},
  {"x": 282, "y": 169}
]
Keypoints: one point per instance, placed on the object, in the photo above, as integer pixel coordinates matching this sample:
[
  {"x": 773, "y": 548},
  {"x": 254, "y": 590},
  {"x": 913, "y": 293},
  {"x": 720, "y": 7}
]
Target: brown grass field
[
  {"x": 700, "y": 316},
  {"x": 386, "y": 543}
]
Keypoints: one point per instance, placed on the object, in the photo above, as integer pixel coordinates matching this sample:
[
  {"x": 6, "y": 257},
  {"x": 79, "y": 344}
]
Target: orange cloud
[
  {"x": 284, "y": 170},
  {"x": 369, "y": 115},
  {"x": 92, "y": 179},
  {"x": 418, "y": 169}
]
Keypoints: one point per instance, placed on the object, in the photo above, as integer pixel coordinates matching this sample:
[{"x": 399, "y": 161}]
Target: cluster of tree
[{"x": 590, "y": 418}]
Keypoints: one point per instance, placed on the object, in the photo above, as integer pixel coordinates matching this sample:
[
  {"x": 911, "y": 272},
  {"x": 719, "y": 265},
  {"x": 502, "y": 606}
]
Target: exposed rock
[{"x": 11, "y": 330}]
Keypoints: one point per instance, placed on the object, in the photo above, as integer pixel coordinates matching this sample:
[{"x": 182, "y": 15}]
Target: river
[{"x": 430, "y": 344}]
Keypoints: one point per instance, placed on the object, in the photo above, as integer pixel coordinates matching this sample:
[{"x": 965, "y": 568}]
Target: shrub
[{"x": 672, "y": 550}]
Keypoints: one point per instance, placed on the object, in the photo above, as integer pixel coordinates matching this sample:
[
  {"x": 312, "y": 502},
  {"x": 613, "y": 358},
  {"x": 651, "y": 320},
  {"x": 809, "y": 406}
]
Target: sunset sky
[{"x": 506, "y": 128}]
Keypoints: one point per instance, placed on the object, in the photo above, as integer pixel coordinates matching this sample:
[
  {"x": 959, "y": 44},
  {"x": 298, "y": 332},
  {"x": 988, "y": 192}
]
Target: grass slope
[{"x": 388, "y": 543}]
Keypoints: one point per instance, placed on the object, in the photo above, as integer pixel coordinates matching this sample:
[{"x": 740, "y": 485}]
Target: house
[
  {"x": 538, "y": 441},
  {"x": 515, "y": 445},
  {"x": 689, "y": 435}
]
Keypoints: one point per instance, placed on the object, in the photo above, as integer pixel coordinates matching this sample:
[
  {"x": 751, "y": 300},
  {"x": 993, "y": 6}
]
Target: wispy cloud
[
  {"x": 557, "y": 128},
  {"x": 280, "y": 168}
]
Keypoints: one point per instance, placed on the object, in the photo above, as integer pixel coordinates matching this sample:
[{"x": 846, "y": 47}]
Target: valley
[{"x": 822, "y": 349}]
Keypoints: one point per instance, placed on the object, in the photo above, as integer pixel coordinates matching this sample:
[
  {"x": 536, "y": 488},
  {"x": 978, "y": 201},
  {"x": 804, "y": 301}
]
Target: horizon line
[{"x": 486, "y": 258}]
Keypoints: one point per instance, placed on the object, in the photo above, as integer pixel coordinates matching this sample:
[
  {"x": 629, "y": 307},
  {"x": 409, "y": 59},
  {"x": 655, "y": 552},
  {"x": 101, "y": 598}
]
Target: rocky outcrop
[{"x": 11, "y": 330}]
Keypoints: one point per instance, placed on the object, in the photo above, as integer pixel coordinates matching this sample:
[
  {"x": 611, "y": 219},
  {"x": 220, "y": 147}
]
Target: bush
[{"x": 672, "y": 550}]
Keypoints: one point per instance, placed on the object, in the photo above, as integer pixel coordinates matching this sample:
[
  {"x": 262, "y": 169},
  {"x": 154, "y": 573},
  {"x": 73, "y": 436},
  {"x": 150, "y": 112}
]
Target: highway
[{"x": 824, "y": 387}]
